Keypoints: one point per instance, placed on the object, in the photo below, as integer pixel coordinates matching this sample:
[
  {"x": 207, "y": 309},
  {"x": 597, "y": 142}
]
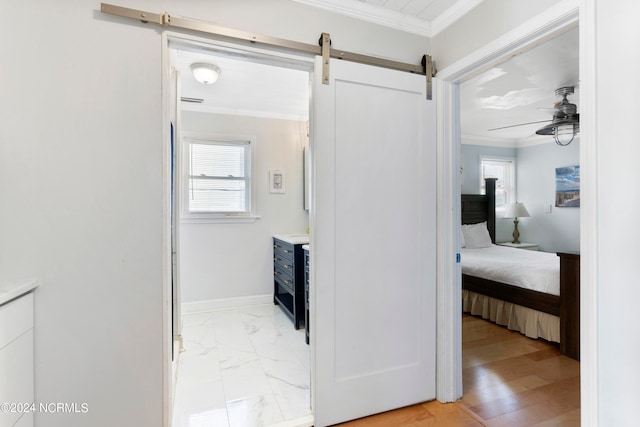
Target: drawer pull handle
[
  {"x": 276, "y": 273},
  {"x": 287, "y": 251},
  {"x": 289, "y": 266},
  {"x": 277, "y": 259},
  {"x": 288, "y": 282},
  {"x": 276, "y": 246}
]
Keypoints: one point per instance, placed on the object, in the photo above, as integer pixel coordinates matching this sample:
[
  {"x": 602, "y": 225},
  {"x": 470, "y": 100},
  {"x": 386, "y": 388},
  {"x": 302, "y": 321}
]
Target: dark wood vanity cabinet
[{"x": 288, "y": 280}]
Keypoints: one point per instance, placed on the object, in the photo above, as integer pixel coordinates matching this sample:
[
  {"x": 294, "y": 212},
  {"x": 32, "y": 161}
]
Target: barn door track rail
[{"x": 323, "y": 48}]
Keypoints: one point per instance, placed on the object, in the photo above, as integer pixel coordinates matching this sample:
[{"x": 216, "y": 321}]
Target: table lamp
[{"x": 516, "y": 210}]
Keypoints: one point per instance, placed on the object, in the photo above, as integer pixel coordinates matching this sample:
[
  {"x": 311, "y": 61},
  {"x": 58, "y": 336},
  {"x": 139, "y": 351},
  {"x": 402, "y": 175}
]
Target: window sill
[{"x": 222, "y": 219}]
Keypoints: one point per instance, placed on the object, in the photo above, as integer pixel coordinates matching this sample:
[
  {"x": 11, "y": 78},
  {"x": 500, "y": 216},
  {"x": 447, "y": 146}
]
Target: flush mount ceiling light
[{"x": 205, "y": 73}]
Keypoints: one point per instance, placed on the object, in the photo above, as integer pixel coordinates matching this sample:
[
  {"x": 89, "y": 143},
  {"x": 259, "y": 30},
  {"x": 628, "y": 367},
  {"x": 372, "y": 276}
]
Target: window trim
[
  {"x": 213, "y": 217},
  {"x": 511, "y": 185}
]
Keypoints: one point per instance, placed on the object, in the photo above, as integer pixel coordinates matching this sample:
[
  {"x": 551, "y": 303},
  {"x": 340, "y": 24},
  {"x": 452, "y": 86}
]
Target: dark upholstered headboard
[{"x": 481, "y": 207}]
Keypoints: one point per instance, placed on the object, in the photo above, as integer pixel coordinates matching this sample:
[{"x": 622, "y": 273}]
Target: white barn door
[{"x": 373, "y": 242}]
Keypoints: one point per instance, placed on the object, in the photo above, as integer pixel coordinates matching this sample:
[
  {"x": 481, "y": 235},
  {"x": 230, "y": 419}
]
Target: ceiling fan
[{"x": 566, "y": 120}]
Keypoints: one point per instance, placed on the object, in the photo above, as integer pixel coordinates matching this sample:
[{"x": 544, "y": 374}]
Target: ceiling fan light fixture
[
  {"x": 566, "y": 120},
  {"x": 562, "y": 130},
  {"x": 564, "y": 134},
  {"x": 205, "y": 73}
]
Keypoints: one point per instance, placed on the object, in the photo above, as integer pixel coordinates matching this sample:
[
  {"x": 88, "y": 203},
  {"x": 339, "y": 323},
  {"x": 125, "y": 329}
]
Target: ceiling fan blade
[{"x": 521, "y": 124}]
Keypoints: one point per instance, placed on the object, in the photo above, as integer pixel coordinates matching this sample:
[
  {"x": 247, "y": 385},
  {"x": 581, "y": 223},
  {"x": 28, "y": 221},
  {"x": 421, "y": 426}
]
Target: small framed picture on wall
[{"x": 276, "y": 181}]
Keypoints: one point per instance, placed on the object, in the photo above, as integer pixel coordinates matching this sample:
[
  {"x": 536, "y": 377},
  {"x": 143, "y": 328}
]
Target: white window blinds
[{"x": 219, "y": 177}]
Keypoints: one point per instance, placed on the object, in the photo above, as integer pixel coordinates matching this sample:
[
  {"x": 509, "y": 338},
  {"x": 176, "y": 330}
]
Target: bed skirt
[{"x": 532, "y": 323}]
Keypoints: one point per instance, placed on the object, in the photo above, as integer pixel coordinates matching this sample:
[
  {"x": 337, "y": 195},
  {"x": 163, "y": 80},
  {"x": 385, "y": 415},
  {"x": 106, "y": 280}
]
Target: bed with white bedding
[
  {"x": 533, "y": 292},
  {"x": 532, "y": 270},
  {"x": 538, "y": 271}
]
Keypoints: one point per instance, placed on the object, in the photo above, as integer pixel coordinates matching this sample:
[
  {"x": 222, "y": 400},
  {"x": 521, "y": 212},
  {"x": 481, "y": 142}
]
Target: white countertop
[
  {"x": 10, "y": 291},
  {"x": 305, "y": 247},
  {"x": 294, "y": 239}
]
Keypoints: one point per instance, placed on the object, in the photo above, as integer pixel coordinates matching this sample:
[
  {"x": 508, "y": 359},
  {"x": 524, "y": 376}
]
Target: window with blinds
[
  {"x": 503, "y": 169},
  {"x": 218, "y": 177}
]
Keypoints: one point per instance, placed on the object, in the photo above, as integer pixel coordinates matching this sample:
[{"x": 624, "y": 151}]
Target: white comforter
[{"x": 539, "y": 271}]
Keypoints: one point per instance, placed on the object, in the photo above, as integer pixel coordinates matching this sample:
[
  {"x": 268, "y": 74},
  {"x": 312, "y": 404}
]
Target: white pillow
[
  {"x": 462, "y": 242},
  {"x": 476, "y": 235}
]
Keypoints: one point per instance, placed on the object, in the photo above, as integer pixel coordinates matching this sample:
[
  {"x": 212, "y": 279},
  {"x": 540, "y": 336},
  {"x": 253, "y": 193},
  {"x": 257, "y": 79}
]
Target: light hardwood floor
[{"x": 508, "y": 379}]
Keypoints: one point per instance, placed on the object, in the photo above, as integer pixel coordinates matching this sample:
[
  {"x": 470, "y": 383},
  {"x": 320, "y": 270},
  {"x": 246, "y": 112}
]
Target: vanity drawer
[
  {"x": 285, "y": 265},
  {"x": 282, "y": 250},
  {"x": 285, "y": 281},
  {"x": 286, "y": 270}
]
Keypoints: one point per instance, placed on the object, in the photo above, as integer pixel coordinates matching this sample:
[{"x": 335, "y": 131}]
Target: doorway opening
[
  {"x": 453, "y": 78},
  {"x": 240, "y": 360},
  {"x": 528, "y": 339}
]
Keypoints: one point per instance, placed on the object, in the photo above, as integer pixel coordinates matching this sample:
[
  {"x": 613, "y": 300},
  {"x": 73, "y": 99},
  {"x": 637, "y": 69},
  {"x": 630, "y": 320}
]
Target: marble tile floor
[{"x": 241, "y": 368}]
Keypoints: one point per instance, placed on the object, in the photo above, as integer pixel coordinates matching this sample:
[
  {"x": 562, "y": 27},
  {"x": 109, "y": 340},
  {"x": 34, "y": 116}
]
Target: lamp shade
[
  {"x": 516, "y": 210},
  {"x": 205, "y": 73}
]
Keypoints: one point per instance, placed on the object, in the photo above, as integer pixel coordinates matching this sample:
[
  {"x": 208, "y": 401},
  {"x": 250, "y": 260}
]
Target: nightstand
[{"x": 523, "y": 245}]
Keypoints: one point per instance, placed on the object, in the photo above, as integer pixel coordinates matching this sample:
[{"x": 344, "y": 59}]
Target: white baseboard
[{"x": 225, "y": 303}]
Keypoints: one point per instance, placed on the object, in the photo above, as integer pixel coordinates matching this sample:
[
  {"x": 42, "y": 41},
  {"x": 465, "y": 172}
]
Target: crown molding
[
  {"x": 299, "y": 116},
  {"x": 468, "y": 139}
]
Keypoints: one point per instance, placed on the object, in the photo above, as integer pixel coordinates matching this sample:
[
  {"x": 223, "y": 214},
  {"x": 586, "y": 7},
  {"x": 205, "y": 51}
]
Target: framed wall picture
[
  {"x": 568, "y": 187},
  {"x": 276, "y": 181}
]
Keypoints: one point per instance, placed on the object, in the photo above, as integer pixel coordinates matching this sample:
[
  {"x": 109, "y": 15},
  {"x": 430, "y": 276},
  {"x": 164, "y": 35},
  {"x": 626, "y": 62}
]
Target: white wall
[
  {"x": 558, "y": 230},
  {"x": 221, "y": 260},
  {"x": 81, "y": 191},
  {"x": 81, "y": 181}
]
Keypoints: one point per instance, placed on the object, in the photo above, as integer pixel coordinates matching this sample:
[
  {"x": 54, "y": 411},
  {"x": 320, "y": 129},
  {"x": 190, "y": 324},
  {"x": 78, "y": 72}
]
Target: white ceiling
[{"x": 509, "y": 94}]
